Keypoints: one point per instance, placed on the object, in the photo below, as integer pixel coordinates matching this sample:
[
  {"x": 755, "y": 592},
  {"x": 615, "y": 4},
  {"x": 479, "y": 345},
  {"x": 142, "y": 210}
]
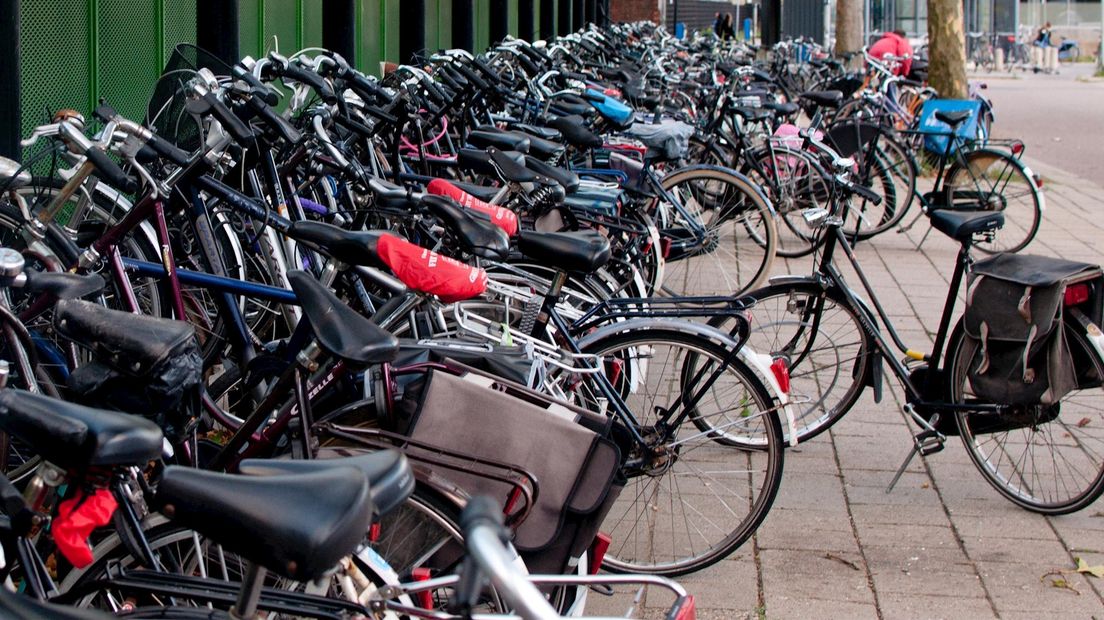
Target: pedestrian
[
  {"x": 893, "y": 44},
  {"x": 1038, "y": 47},
  {"x": 728, "y": 31},
  {"x": 717, "y": 23}
]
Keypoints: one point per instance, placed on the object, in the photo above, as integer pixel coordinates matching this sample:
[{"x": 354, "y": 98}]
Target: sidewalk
[{"x": 943, "y": 544}]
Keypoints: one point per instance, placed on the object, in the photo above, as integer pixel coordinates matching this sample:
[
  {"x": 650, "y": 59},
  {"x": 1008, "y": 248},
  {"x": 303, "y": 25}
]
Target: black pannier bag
[
  {"x": 1013, "y": 327},
  {"x": 564, "y": 447}
]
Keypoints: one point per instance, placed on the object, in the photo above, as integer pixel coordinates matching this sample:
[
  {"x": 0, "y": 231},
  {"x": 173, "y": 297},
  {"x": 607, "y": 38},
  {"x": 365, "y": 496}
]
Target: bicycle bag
[
  {"x": 562, "y": 446},
  {"x": 1013, "y": 328}
]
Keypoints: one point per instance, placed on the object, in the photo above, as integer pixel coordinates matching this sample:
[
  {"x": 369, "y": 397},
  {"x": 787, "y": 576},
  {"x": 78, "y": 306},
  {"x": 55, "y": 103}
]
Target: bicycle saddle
[
  {"x": 507, "y": 165},
  {"x": 583, "y": 251},
  {"x": 482, "y": 192},
  {"x": 390, "y": 479},
  {"x": 545, "y": 133},
  {"x": 963, "y": 225},
  {"x": 568, "y": 179},
  {"x": 131, "y": 343},
  {"x": 298, "y": 526},
  {"x": 353, "y": 247},
  {"x": 64, "y": 285},
  {"x": 753, "y": 115},
  {"x": 953, "y": 118},
  {"x": 781, "y": 108},
  {"x": 825, "y": 98},
  {"x": 575, "y": 132},
  {"x": 486, "y": 137},
  {"x": 478, "y": 236},
  {"x": 76, "y": 437},
  {"x": 340, "y": 330},
  {"x": 542, "y": 148}
]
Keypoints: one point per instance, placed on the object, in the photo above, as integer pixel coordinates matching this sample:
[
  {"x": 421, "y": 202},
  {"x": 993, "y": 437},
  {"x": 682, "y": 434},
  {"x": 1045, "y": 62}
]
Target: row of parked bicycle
[{"x": 264, "y": 348}]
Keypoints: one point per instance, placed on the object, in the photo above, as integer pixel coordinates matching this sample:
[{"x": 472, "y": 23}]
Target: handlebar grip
[
  {"x": 571, "y": 75},
  {"x": 313, "y": 80},
  {"x": 865, "y": 192},
  {"x": 110, "y": 171},
  {"x": 486, "y": 70},
  {"x": 260, "y": 89},
  {"x": 235, "y": 126},
  {"x": 365, "y": 87},
  {"x": 530, "y": 67},
  {"x": 169, "y": 151},
  {"x": 381, "y": 114},
  {"x": 473, "y": 77},
  {"x": 278, "y": 123},
  {"x": 481, "y": 511},
  {"x": 455, "y": 76}
]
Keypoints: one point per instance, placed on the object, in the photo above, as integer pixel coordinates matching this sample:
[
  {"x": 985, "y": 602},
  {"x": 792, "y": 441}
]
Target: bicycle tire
[
  {"x": 829, "y": 370},
  {"x": 895, "y": 165},
  {"x": 739, "y": 226},
  {"x": 1075, "y": 425},
  {"x": 793, "y": 182},
  {"x": 632, "y": 523},
  {"x": 992, "y": 179}
]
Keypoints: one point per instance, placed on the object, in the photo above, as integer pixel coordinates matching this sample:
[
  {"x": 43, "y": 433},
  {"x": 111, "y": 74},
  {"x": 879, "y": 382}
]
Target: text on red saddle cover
[
  {"x": 429, "y": 272},
  {"x": 501, "y": 216}
]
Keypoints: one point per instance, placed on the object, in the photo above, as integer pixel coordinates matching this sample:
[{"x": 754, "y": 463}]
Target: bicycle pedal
[{"x": 929, "y": 442}]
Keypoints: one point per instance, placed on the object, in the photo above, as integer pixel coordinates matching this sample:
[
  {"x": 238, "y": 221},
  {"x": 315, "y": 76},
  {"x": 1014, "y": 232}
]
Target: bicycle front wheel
[
  {"x": 692, "y": 499},
  {"x": 722, "y": 232},
  {"x": 1045, "y": 458},
  {"x": 992, "y": 180}
]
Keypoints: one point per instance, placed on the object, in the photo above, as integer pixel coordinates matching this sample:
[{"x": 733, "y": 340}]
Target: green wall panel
[
  {"x": 444, "y": 19},
  {"x": 389, "y": 22},
  {"x": 512, "y": 6},
  {"x": 432, "y": 25},
  {"x": 482, "y": 25},
  {"x": 369, "y": 36}
]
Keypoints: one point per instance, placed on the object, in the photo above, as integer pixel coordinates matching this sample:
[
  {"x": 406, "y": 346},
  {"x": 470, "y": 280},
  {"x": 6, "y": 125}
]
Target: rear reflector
[
  {"x": 781, "y": 374},
  {"x": 687, "y": 611},
  {"x": 1076, "y": 294}
]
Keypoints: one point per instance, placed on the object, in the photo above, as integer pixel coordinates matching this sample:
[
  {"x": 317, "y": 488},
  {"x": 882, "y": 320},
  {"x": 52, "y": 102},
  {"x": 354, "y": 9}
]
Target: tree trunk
[
  {"x": 947, "y": 48},
  {"x": 849, "y": 26}
]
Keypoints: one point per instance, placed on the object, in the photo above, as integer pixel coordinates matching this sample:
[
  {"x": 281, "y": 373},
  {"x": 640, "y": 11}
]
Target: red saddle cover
[
  {"x": 504, "y": 218},
  {"x": 429, "y": 272}
]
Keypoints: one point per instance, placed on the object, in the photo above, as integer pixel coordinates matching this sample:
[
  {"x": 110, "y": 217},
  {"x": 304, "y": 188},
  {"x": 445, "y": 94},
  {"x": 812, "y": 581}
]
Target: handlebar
[
  {"x": 485, "y": 537},
  {"x": 110, "y": 171}
]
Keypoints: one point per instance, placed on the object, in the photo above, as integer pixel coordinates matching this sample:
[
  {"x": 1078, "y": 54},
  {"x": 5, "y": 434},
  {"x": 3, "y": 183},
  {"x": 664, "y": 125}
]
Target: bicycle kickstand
[{"x": 927, "y": 442}]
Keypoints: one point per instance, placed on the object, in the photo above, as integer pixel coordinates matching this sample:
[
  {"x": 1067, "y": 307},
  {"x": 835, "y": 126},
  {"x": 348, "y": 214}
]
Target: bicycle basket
[
  {"x": 1013, "y": 328},
  {"x": 165, "y": 112}
]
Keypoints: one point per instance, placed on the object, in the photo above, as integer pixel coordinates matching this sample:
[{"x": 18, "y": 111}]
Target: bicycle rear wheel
[
  {"x": 695, "y": 498},
  {"x": 993, "y": 180},
  {"x": 1045, "y": 458}
]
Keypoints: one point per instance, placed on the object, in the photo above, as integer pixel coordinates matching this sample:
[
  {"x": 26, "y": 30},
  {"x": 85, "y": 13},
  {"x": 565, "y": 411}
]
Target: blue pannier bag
[
  {"x": 936, "y": 132},
  {"x": 613, "y": 109}
]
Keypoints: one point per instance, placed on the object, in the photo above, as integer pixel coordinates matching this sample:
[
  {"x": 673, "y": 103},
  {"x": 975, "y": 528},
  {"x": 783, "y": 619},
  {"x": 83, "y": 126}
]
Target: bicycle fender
[
  {"x": 760, "y": 363},
  {"x": 874, "y": 372}
]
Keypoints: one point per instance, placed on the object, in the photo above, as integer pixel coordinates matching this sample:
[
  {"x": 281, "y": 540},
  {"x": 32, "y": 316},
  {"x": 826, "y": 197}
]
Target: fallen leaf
[
  {"x": 844, "y": 561},
  {"x": 1083, "y": 422},
  {"x": 1057, "y": 581},
  {"x": 924, "y": 485},
  {"x": 1084, "y": 568}
]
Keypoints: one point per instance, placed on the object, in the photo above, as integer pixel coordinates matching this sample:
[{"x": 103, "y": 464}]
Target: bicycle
[{"x": 834, "y": 345}]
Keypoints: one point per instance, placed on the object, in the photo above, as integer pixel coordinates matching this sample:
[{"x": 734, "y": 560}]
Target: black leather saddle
[
  {"x": 76, "y": 437},
  {"x": 542, "y": 148},
  {"x": 753, "y": 115},
  {"x": 478, "y": 236},
  {"x": 348, "y": 246},
  {"x": 545, "y": 133},
  {"x": 64, "y": 285},
  {"x": 390, "y": 479},
  {"x": 575, "y": 132},
  {"x": 131, "y": 343},
  {"x": 486, "y": 137},
  {"x": 953, "y": 118},
  {"x": 566, "y": 178},
  {"x": 963, "y": 225},
  {"x": 782, "y": 108},
  {"x": 824, "y": 98},
  {"x": 296, "y": 526},
  {"x": 340, "y": 330},
  {"x": 582, "y": 251},
  {"x": 482, "y": 192}
]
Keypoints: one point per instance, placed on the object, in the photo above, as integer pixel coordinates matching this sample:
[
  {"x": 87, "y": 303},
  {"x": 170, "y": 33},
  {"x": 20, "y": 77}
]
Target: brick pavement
[{"x": 943, "y": 544}]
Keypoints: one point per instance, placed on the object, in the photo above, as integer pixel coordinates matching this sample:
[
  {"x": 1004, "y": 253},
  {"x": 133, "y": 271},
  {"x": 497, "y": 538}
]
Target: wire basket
[{"x": 165, "y": 112}]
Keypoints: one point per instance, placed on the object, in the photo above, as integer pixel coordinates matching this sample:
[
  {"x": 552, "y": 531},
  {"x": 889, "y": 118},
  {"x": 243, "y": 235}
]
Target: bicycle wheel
[
  {"x": 1045, "y": 458},
  {"x": 826, "y": 348},
  {"x": 694, "y": 500},
  {"x": 793, "y": 183},
  {"x": 893, "y": 174},
  {"x": 993, "y": 180},
  {"x": 737, "y": 225}
]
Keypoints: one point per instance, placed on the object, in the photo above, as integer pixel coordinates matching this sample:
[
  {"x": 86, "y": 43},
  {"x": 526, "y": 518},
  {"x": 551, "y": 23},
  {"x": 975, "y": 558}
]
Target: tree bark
[
  {"x": 849, "y": 26},
  {"x": 947, "y": 48}
]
